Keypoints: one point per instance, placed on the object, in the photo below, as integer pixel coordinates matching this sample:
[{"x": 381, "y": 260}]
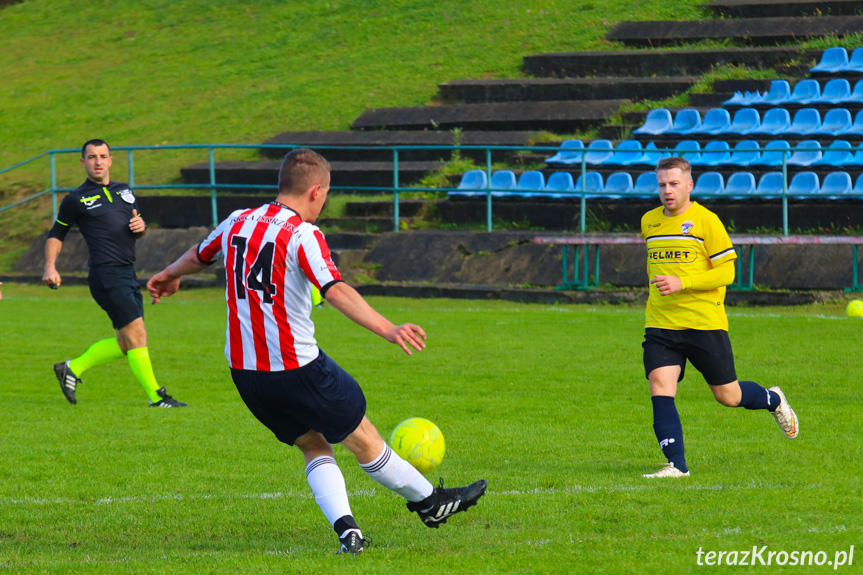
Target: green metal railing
[{"x": 396, "y": 189}]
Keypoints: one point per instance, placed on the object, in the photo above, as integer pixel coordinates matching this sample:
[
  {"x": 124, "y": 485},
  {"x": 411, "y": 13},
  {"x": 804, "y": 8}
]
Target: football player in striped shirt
[
  {"x": 690, "y": 260},
  {"x": 273, "y": 256}
]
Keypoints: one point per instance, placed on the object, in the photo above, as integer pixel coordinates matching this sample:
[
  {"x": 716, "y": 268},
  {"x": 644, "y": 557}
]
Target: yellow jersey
[{"x": 686, "y": 246}]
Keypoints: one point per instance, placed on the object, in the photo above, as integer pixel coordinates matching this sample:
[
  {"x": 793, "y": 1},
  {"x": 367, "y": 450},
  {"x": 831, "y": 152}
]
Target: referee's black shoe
[
  {"x": 167, "y": 400},
  {"x": 68, "y": 380},
  {"x": 443, "y": 503}
]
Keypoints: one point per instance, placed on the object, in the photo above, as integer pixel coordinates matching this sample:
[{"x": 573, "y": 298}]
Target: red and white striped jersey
[{"x": 272, "y": 259}]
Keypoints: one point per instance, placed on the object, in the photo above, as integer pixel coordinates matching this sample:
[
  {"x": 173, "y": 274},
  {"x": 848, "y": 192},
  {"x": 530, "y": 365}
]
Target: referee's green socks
[
  {"x": 100, "y": 353},
  {"x": 139, "y": 363}
]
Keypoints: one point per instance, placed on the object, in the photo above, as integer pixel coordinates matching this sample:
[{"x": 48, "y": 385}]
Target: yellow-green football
[
  {"x": 419, "y": 442},
  {"x": 855, "y": 308}
]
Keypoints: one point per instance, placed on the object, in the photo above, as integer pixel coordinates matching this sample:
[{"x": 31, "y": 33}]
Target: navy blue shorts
[
  {"x": 709, "y": 351},
  {"x": 319, "y": 396},
  {"x": 117, "y": 291}
]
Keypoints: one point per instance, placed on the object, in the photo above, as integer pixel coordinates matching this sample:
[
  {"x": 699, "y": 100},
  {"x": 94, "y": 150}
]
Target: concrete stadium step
[
  {"x": 407, "y": 208},
  {"x": 649, "y": 63},
  {"x": 348, "y": 174},
  {"x": 751, "y": 30},
  {"x": 350, "y": 240},
  {"x": 543, "y": 89},
  {"x": 357, "y": 224},
  {"x": 777, "y": 8},
  {"x": 394, "y": 138},
  {"x": 555, "y": 116}
]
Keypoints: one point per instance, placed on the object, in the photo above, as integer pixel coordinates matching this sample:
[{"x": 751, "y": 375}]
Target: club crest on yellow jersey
[{"x": 686, "y": 227}]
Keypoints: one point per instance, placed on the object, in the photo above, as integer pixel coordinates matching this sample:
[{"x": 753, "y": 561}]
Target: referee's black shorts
[
  {"x": 319, "y": 396},
  {"x": 117, "y": 291},
  {"x": 709, "y": 351}
]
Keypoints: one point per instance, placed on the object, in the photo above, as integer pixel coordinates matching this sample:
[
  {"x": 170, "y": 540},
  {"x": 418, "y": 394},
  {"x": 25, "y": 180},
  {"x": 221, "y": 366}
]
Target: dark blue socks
[
  {"x": 669, "y": 431},
  {"x": 753, "y": 396}
]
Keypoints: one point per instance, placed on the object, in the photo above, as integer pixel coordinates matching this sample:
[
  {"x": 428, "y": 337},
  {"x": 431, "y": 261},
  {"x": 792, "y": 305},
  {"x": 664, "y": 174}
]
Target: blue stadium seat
[
  {"x": 472, "y": 183},
  {"x": 744, "y": 121},
  {"x": 685, "y": 121},
  {"x": 769, "y": 185},
  {"x": 837, "y": 121},
  {"x": 646, "y": 185},
  {"x": 858, "y": 185},
  {"x": 570, "y": 153},
  {"x": 836, "y": 91},
  {"x": 657, "y": 122},
  {"x": 855, "y": 63},
  {"x": 857, "y": 159},
  {"x": 745, "y": 153},
  {"x": 771, "y": 153},
  {"x": 689, "y": 149},
  {"x": 856, "y": 128},
  {"x": 714, "y": 153},
  {"x": 709, "y": 184},
  {"x": 503, "y": 183},
  {"x": 744, "y": 99},
  {"x": 832, "y": 60},
  {"x": 560, "y": 185},
  {"x": 531, "y": 181},
  {"x": 804, "y": 185},
  {"x": 740, "y": 184},
  {"x": 856, "y": 96},
  {"x": 593, "y": 184},
  {"x": 778, "y": 94},
  {"x": 618, "y": 185},
  {"x": 652, "y": 155},
  {"x": 806, "y": 153},
  {"x": 626, "y": 153},
  {"x": 836, "y": 184},
  {"x": 838, "y": 153},
  {"x": 716, "y": 121},
  {"x": 805, "y": 92},
  {"x": 806, "y": 121},
  {"x": 598, "y": 151},
  {"x": 775, "y": 121}
]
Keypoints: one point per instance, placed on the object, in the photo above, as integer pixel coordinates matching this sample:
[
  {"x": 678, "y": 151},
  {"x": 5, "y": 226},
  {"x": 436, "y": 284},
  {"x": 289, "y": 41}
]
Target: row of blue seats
[
  {"x": 836, "y": 61},
  {"x": 715, "y": 153},
  {"x": 748, "y": 121},
  {"x": 474, "y": 183},
  {"x": 836, "y": 185},
  {"x": 806, "y": 92}
]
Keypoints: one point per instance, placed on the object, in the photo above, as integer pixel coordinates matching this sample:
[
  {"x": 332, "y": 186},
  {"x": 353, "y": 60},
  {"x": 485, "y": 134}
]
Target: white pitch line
[{"x": 647, "y": 486}]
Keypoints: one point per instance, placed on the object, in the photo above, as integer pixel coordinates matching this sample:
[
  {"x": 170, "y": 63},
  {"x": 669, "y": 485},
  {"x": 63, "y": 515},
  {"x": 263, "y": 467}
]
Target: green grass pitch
[{"x": 548, "y": 403}]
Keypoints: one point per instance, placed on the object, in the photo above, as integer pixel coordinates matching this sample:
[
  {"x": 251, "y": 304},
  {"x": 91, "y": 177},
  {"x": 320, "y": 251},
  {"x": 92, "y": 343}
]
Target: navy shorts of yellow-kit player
[
  {"x": 319, "y": 396},
  {"x": 117, "y": 291},
  {"x": 709, "y": 351}
]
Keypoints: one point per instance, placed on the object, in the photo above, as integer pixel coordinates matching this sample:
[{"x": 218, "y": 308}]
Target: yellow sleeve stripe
[{"x": 62, "y": 223}]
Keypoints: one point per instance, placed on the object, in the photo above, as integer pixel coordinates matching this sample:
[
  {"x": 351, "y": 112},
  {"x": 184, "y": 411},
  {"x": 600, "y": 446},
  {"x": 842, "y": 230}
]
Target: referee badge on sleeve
[{"x": 127, "y": 195}]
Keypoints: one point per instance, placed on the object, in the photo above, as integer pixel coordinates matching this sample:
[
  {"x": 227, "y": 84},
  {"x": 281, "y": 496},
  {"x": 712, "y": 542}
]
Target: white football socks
[
  {"x": 328, "y": 484},
  {"x": 398, "y": 475}
]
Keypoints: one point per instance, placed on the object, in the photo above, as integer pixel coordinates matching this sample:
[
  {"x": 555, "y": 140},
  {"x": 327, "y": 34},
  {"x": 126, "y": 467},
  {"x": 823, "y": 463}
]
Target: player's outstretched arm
[
  {"x": 348, "y": 301},
  {"x": 167, "y": 282}
]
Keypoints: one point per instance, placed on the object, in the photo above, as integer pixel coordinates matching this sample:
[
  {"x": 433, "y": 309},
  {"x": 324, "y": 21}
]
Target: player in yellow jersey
[{"x": 690, "y": 260}]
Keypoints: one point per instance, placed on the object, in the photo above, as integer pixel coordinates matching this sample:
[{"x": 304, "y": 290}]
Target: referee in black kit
[{"x": 106, "y": 213}]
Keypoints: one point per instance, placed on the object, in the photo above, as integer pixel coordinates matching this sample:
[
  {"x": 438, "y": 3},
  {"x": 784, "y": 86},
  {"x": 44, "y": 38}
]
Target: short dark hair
[
  {"x": 93, "y": 142},
  {"x": 674, "y": 162},
  {"x": 300, "y": 169}
]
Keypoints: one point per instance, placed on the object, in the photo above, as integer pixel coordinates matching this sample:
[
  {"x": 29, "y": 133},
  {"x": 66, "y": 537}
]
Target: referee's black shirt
[{"x": 102, "y": 214}]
